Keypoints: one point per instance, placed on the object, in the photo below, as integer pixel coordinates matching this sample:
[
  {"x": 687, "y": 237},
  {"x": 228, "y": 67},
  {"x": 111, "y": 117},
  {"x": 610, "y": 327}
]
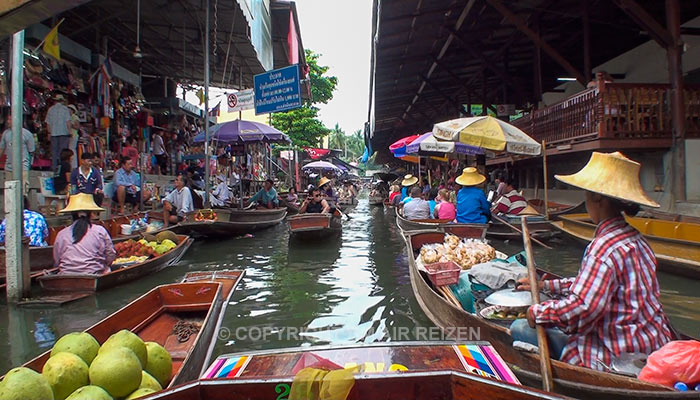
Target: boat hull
[
  {"x": 557, "y": 209},
  {"x": 94, "y": 283},
  {"x": 569, "y": 380},
  {"x": 541, "y": 230},
  {"x": 476, "y": 231},
  {"x": 314, "y": 226},
  {"x": 230, "y": 222}
]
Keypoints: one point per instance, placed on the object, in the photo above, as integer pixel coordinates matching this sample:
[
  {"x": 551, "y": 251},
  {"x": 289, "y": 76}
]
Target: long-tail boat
[
  {"x": 229, "y": 222},
  {"x": 399, "y": 370},
  {"x": 158, "y": 316},
  {"x": 570, "y": 380},
  {"x": 556, "y": 209},
  {"x": 675, "y": 244},
  {"x": 311, "y": 226},
  {"x": 477, "y": 231},
  {"x": 91, "y": 282},
  {"x": 540, "y": 228}
]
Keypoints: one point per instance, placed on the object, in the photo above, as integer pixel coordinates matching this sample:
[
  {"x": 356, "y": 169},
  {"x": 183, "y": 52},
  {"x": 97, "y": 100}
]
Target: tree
[{"x": 302, "y": 124}]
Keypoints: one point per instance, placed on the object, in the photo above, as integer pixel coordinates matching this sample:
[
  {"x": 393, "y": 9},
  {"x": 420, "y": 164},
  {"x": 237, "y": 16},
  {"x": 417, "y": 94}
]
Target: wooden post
[
  {"x": 675, "y": 74},
  {"x": 586, "y": 40},
  {"x": 207, "y": 200},
  {"x": 546, "y": 179}
]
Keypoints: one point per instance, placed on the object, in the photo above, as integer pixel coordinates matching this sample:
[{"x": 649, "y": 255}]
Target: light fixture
[{"x": 565, "y": 79}]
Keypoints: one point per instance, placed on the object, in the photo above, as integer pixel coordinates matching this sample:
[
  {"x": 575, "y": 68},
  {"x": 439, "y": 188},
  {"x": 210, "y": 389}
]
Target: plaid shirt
[{"x": 613, "y": 305}]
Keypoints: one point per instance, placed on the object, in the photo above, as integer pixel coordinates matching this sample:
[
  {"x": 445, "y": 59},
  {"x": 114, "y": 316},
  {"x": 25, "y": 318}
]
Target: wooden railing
[{"x": 618, "y": 110}]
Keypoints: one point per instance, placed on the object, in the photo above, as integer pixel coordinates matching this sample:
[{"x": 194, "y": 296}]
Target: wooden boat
[
  {"x": 153, "y": 316},
  {"x": 540, "y": 228},
  {"x": 675, "y": 244},
  {"x": 314, "y": 226},
  {"x": 93, "y": 283},
  {"x": 400, "y": 370},
  {"x": 557, "y": 209},
  {"x": 477, "y": 231},
  {"x": 669, "y": 216},
  {"x": 570, "y": 380},
  {"x": 229, "y": 222},
  {"x": 376, "y": 200}
]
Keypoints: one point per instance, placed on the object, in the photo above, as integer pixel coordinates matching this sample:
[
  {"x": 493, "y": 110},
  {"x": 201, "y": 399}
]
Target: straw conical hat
[
  {"x": 323, "y": 181},
  {"x": 409, "y": 180},
  {"x": 612, "y": 175},
  {"x": 470, "y": 177},
  {"x": 81, "y": 202}
]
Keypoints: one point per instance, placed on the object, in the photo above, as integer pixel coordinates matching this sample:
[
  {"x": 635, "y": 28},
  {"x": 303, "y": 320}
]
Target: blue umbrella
[{"x": 243, "y": 132}]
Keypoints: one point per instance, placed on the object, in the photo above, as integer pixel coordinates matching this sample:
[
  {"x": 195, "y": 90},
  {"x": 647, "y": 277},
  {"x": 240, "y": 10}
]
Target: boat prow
[
  {"x": 314, "y": 225},
  {"x": 229, "y": 222}
]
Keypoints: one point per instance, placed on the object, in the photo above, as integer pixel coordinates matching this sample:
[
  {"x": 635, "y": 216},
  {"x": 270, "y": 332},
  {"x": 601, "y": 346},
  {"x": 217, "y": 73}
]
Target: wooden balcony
[{"x": 619, "y": 115}]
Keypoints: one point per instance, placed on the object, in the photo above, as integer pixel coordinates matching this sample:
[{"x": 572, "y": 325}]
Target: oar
[
  {"x": 501, "y": 220},
  {"x": 545, "y": 362}
]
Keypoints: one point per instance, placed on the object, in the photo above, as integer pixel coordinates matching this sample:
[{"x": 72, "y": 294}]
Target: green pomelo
[
  {"x": 25, "y": 384},
  {"x": 140, "y": 393},
  {"x": 90, "y": 393},
  {"x": 66, "y": 372},
  {"x": 81, "y": 344},
  {"x": 160, "y": 364},
  {"x": 118, "y": 371},
  {"x": 128, "y": 339},
  {"x": 149, "y": 382}
]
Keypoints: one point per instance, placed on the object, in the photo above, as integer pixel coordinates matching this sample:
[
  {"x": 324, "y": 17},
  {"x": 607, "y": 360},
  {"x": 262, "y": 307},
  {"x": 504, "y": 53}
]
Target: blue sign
[{"x": 277, "y": 90}]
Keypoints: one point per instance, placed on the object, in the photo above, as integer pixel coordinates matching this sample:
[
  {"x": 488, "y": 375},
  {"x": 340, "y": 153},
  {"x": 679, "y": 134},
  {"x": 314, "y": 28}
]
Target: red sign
[{"x": 316, "y": 154}]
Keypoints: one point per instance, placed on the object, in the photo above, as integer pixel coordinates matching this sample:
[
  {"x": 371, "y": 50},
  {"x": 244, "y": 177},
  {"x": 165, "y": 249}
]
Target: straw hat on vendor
[
  {"x": 81, "y": 202},
  {"x": 324, "y": 180},
  {"x": 472, "y": 206},
  {"x": 409, "y": 180},
  {"x": 470, "y": 177}
]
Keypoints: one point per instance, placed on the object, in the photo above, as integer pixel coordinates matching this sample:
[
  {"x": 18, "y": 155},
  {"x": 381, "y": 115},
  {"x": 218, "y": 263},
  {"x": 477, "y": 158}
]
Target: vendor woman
[
  {"x": 83, "y": 247},
  {"x": 612, "y": 307}
]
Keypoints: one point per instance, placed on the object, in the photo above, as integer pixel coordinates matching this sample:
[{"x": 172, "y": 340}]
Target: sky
[{"x": 341, "y": 32}]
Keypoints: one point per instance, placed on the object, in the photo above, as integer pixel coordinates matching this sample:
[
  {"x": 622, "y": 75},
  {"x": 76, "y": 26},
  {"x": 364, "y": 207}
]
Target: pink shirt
[
  {"x": 92, "y": 255},
  {"x": 446, "y": 211}
]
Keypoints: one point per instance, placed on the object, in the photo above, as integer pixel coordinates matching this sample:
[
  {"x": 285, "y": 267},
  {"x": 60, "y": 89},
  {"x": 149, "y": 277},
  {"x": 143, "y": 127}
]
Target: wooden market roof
[{"x": 431, "y": 58}]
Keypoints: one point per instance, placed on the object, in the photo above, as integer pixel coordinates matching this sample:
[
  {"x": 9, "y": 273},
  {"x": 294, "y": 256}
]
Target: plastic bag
[{"x": 677, "y": 361}]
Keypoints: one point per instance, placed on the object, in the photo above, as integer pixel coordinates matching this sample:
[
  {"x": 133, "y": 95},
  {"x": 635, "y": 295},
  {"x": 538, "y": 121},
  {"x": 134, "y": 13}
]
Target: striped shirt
[
  {"x": 613, "y": 305},
  {"x": 511, "y": 203}
]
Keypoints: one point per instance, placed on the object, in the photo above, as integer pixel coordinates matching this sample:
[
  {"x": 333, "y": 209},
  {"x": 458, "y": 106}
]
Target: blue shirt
[
  {"x": 35, "y": 228},
  {"x": 121, "y": 178},
  {"x": 472, "y": 206},
  {"x": 404, "y": 193},
  {"x": 85, "y": 184},
  {"x": 431, "y": 203},
  {"x": 265, "y": 197}
]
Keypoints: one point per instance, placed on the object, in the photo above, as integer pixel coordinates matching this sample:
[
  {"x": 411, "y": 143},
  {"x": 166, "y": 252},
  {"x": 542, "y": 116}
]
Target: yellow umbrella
[{"x": 488, "y": 133}]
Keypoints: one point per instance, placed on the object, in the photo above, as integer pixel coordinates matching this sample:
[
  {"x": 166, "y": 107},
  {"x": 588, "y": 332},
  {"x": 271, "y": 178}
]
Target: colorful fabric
[
  {"x": 131, "y": 153},
  {"x": 612, "y": 306},
  {"x": 511, "y": 203},
  {"x": 35, "y": 228},
  {"x": 472, "y": 206},
  {"x": 93, "y": 254}
]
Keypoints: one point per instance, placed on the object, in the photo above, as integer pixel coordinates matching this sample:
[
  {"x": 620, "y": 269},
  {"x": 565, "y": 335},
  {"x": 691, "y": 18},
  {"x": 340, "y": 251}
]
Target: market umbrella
[
  {"x": 429, "y": 144},
  {"x": 244, "y": 132},
  {"x": 398, "y": 148},
  {"x": 488, "y": 133},
  {"x": 321, "y": 165}
]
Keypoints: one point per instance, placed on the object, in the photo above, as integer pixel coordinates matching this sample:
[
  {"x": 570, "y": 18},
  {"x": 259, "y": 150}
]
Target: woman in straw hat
[
  {"x": 472, "y": 206},
  {"x": 407, "y": 182},
  {"x": 612, "y": 306},
  {"x": 83, "y": 247}
]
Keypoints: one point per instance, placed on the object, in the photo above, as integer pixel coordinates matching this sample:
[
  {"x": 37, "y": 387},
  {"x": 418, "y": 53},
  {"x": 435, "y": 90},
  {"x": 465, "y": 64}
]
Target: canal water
[{"x": 350, "y": 289}]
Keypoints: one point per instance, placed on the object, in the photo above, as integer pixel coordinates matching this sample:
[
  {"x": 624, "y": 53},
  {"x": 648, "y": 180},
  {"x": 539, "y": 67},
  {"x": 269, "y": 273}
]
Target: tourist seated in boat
[
  {"x": 395, "y": 196},
  {"x": 83, "y": 247},
  {"x": 348, "y": 191},
  {"x": 325, "y": 185},
  {"x": 511, "y": 203},
  {"x": 178, "y": 202},
  {"x": 431, "y": 198},
  {"x": 128, "y": 185},
  {"x": 425, "y": 188},
  {"x": 406, "y": 184},
  {"x": 221, "y": 195},
  {"x": 417, "y": 208},
  {"x": 86, "y": 179},
  {"x": 34, "y": 227},
  {"x": 195, "y": 177},
  {"x": 472, "y": 206},
  {"x": 266, "y": 197},
  {"x": 315, "y": 203},
  {"x": 292, "y": 197},
  {"x": 444, "y": 209},
  {"x": 613, "y": 305}
]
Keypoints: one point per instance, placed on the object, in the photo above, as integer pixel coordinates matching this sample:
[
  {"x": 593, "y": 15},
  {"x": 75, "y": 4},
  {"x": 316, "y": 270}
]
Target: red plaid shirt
[{"x": 613, "y": 305}]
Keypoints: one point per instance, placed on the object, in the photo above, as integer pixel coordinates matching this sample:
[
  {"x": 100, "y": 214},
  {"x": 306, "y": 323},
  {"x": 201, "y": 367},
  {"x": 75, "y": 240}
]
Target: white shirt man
[
  {"x": 221, "y": 194},
  {"x": 58, "y": 120}
]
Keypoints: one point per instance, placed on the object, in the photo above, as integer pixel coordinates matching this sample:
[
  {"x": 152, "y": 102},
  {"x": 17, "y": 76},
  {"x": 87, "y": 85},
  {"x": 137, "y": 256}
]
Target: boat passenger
[
  {"x": 444, "y": 209},
  {"x": 472, "y": 206},
  {"x": 326, "y": 188},
  {"x": 86, "y": 179},
  {"x": 408, "y": 181},
  {"x": 266, "y": 197},
  {"x": 292, "y": 197},
  {"x": 395, "y": 195},
  {"x": 221, "y": 195},
  {"x": 35, "y": 227},
  {"x": 425, "y": 188},
  {"x": 178, "y": 202},
  {"x": 417, "y": 208},
  {"x": 432, "y": 194},
  {"x": 314, "y": 203},
  {"x": 511, "y": 203},
  {"x": 613, "y": 305},
  {"x": 83, "y": 247}
]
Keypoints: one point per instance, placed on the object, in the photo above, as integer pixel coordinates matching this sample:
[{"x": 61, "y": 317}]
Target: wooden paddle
[
  {"x": 503, "y": 221},
  {"x": 545, "y": 362}
]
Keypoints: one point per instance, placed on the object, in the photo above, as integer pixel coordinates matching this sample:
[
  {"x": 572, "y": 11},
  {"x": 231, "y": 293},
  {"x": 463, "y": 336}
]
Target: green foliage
[{"x": 302, "y": 124}]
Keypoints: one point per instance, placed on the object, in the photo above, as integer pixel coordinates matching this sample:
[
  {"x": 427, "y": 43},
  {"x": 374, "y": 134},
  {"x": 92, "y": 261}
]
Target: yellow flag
[
  {"x": 200, "y": 96},
  {"x": 51, "y": 43}
]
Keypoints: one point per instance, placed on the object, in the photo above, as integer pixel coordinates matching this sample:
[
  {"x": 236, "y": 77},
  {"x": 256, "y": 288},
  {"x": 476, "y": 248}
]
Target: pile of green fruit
[
  {"x": 161, "y": 243},
  {"x": 124, "y": 367}
]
